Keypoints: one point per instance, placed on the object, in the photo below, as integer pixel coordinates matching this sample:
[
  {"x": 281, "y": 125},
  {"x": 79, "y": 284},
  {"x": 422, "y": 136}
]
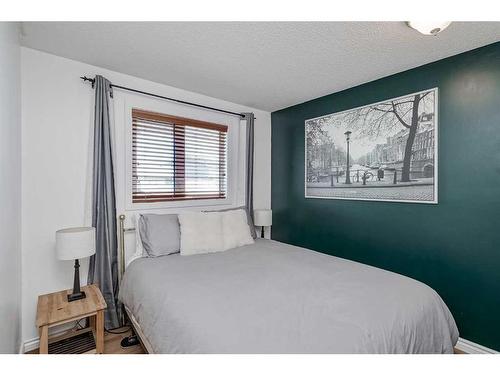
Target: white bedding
[{"x": 271, "y": 297}]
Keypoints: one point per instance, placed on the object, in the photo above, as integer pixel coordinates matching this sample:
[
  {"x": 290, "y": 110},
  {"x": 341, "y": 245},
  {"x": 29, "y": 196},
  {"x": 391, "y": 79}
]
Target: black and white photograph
[{"x": 385, "y": 151}]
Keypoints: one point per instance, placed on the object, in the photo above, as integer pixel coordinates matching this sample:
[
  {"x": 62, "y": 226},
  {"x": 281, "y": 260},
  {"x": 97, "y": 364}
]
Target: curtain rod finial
[{"x": 91, "y": 80}]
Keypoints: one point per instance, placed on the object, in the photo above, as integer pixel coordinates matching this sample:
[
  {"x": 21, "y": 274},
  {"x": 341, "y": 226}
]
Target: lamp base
[
  {"x": 77, "y": 293},
  {"x": 76, "y": 296}
]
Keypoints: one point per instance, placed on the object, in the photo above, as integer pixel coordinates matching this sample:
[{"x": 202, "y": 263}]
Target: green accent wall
[{"x": 453, "y": 246}]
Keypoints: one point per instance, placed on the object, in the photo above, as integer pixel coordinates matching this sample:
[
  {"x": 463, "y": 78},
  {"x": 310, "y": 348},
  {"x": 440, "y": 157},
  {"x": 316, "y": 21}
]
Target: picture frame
[{"x": 391, "y": 145}]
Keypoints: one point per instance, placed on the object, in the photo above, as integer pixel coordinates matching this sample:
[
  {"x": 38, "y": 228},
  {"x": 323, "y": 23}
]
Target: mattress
[{"x": 271, "y": 297}]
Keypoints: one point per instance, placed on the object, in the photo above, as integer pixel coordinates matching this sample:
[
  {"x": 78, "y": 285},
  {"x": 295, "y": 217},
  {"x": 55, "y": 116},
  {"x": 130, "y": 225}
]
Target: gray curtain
[
  {"x": 103, "y": 268},
  {"x": 249, "y": 117}
]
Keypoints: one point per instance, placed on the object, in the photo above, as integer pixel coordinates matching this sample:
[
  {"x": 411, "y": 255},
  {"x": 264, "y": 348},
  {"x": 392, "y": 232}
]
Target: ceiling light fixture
[{"x": 428, "y": 27}]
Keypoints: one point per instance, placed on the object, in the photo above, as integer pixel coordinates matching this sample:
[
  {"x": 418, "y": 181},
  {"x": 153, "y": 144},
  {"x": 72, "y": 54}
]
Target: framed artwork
[{"x": 385, "y": 151}]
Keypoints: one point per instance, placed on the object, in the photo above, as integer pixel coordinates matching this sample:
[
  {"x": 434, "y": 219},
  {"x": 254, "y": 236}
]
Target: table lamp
[
  {"x": 263, "y": 218},
  {"x": 74, "y": 244}
]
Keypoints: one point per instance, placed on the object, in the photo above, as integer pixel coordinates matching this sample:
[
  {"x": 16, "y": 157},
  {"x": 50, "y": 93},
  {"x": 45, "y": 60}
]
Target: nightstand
[{"x": 54, "y": 309}]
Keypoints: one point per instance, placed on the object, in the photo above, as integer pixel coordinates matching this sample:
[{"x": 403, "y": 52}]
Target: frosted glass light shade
[
  {"x": 75, "y": 243},
  {"x": 429, "y": 27},
  {"x": 263, "y": 218}
]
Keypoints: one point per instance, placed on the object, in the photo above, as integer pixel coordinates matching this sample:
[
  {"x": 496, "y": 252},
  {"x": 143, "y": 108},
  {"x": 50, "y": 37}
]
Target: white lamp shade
[
  {"x": 75, "y": 243},
  {"x": 263, "y": 218}
]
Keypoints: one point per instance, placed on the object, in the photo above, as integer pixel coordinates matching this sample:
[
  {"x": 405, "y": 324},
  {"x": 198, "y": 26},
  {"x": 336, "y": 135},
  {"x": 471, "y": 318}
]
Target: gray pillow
[
  {"x": 249, "y": 219},
  {"x": 160, "y": 234}
]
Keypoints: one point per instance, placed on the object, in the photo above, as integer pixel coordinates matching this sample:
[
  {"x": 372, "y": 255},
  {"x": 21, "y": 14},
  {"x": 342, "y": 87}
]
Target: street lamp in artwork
[{"x": 348, "y": 172}]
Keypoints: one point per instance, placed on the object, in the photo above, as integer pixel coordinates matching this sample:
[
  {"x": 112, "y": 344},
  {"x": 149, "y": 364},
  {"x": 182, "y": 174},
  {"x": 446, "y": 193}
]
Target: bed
[{"x": 271, "y": 297}]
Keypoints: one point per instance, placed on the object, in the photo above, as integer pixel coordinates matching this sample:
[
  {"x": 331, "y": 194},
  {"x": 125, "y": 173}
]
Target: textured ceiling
[{"x": 267, "y": 65}]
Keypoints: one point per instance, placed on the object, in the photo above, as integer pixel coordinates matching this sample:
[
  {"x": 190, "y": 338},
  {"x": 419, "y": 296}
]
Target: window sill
[{"x": 195, "y": 203}]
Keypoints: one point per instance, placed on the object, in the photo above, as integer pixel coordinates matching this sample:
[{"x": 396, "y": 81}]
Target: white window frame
[{"x": 124, "y": 104}]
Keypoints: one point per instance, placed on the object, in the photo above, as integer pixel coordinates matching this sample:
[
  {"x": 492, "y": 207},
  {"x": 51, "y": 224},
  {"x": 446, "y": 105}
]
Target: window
[{"x": 175, "y": 158}]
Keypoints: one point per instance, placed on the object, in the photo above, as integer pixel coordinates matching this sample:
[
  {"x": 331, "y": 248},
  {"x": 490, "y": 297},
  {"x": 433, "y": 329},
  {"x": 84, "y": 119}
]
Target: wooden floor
[{"x": 112, "y": 345}]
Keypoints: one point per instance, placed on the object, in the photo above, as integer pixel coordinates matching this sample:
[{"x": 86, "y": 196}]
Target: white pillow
[
  {"x": 201, "y": 232},
  {"x": 235, "y": 229}
]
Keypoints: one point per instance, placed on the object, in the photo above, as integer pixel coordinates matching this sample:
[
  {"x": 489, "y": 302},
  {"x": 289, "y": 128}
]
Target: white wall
[
  {"x": 57, "y": 110},
  {"x": 10, "y": 188}
]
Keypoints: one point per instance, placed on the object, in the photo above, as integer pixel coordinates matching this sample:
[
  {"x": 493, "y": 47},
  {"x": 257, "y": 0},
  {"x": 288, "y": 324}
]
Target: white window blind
[{"x": 175, "y": 158}]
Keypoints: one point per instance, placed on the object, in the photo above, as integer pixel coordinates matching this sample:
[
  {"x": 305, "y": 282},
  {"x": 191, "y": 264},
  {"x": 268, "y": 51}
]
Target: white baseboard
[
  {"x": 34, "y": 343},
  {"x": 21, "y": 347},
  {"x": 30, "y": 345},
  {"x": 470, "y": 347}
]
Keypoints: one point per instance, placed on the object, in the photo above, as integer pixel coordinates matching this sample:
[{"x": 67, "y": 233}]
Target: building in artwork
[
  {"x": 390, "y": 155},
  {"x": 324, "y": 159},
  {"x": 327, "y": 156}
]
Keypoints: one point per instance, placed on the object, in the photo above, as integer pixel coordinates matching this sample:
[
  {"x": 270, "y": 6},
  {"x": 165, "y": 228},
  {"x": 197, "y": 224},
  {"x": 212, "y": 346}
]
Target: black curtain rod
[{"x": 167, "y": 98}]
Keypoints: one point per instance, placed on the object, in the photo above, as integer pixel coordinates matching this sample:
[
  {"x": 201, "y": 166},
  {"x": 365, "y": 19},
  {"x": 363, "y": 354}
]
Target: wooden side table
[{"x": 54, "y": 309}]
